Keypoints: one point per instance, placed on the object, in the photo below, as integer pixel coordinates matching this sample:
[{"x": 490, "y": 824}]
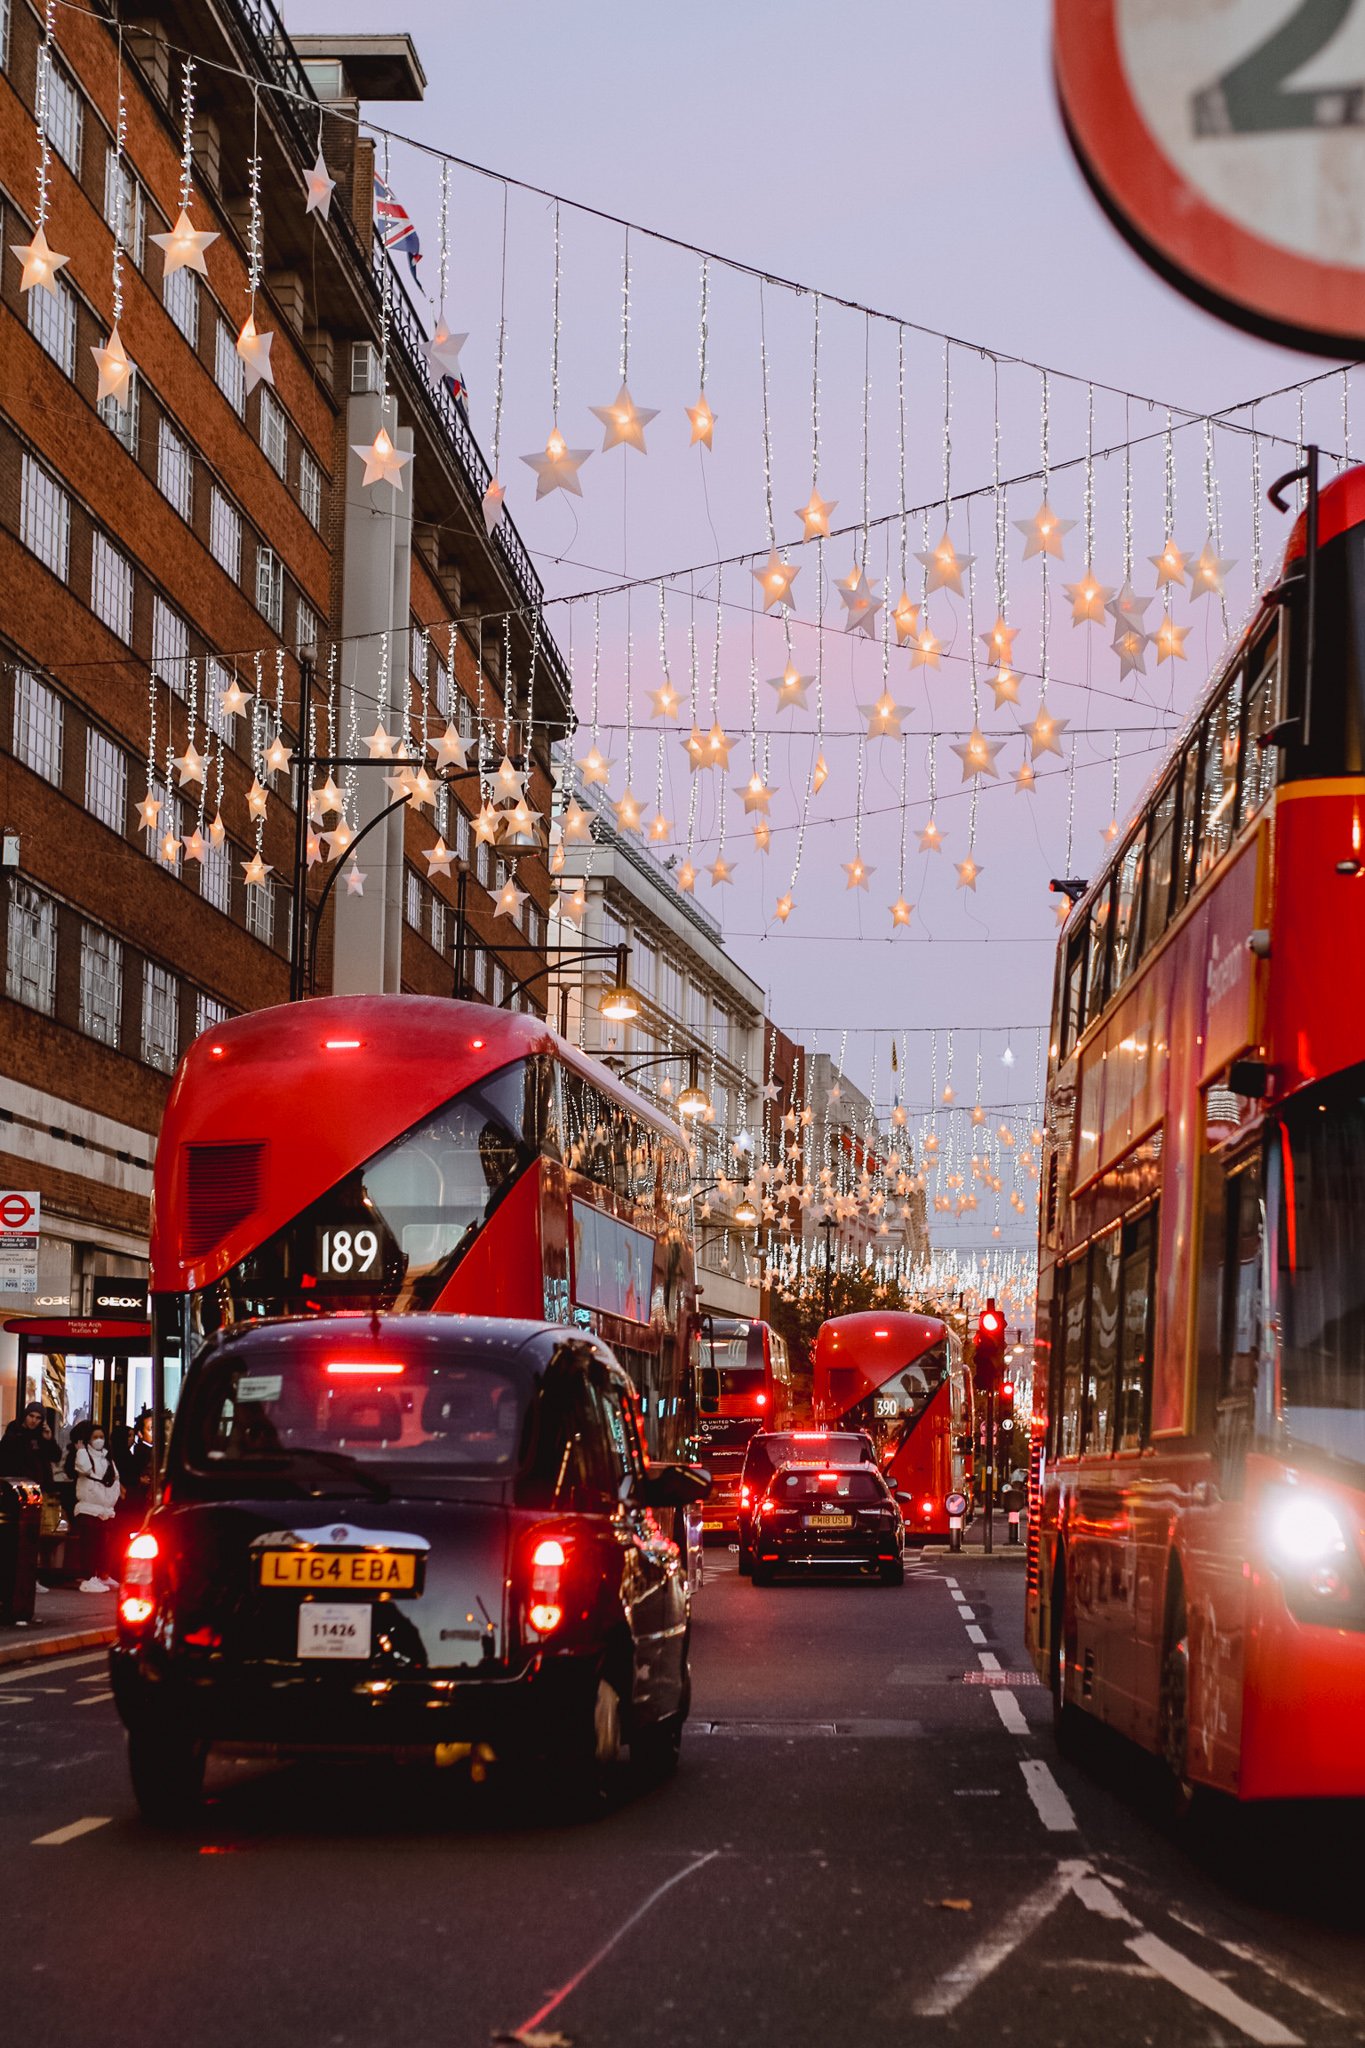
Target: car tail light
[
  {"x": 744, "y": 1496},
  {"x": 367, "y": 1369},
  {"x": 545, "y": 1602},
  {"x": 135, "y": 1602},
  {"x": 760, "y": 1400}
]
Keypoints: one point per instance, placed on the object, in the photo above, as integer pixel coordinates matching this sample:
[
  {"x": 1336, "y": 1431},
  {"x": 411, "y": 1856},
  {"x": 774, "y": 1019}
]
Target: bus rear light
[
  {"x": 216, "y": 1052},
  {"x": 341, "y": 1044},
  {"x": 373, "y": 1369},
  {"x": 744, "y": 1496},
  {"x": 760, "y": 1400},
  {"x": 926, "y": 1507}
]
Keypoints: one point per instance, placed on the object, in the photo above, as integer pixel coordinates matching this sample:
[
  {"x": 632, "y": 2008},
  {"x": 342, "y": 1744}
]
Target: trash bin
[{"x": 21, "y": 1509}]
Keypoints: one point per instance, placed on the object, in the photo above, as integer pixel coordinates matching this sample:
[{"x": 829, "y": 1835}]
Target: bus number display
[{"x": 348, "y": 1254}]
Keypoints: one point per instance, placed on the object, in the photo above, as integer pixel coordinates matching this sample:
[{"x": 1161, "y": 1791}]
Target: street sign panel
[
  {"x": 1226, "y": 139},
  {"x": 20, "y": 1227}
]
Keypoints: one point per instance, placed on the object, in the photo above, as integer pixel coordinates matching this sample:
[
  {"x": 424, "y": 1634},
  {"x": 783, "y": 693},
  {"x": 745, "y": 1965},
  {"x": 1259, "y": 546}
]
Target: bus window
[
  {"x": 1102, "y": 1368},
  {"x": 1128, "y": 916},
  {"x": 1076, "y": 1301},
  {"x": 1182, "y": 879},
  {"x": 1135, "y": 1333},
  {"x": 1262, "y": 712},
  {"x": 1097, "y": 981},
  {"x": 1218, "y": 808},
  {"x": 1160, "y": 859},
  {"x": 1073, "y": 993}
]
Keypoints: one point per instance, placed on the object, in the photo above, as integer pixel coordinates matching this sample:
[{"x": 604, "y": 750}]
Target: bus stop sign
[{"x": 1227, "y": 143}]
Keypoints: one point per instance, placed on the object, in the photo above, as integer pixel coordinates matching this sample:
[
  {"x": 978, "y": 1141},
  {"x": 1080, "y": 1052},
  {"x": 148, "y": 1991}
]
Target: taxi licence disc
[{"x": 358, "y": 1571}]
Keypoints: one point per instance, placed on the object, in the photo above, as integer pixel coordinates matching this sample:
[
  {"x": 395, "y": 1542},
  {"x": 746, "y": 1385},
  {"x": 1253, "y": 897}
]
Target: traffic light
[
  {"x": 988, "y": 1359},
  {"x": 1006, "y": 1407}
]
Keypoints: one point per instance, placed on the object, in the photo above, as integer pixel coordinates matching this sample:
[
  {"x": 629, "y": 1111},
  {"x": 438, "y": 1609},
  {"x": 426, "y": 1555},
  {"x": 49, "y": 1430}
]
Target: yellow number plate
[
  {"x": 829, "y": 1521},
  {"x": 360, "y": 1571}
]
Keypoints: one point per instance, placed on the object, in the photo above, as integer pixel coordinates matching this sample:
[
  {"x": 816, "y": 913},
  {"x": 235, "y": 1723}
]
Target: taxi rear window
[
  {"x": 771, "y": 1451},
  {"x": 857, "y": 1484}
]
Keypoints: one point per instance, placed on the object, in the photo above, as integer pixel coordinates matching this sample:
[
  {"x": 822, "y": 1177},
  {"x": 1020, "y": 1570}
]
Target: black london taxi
[
  {"x": 420, "y": 1537},
  {"x": 829, "y": 1518},
  {"x": 770, "y": 1449}
]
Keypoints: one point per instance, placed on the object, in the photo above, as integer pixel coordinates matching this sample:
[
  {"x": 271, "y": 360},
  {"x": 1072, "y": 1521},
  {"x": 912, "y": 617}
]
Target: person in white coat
[{"x": 98, "y": 1490}]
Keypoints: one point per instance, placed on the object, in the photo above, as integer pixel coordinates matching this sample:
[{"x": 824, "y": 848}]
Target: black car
[
  {"x": 828, "y": 1518},
  {"x": 411, "y": 1536},
  {"x": 771, "y": 1449}
]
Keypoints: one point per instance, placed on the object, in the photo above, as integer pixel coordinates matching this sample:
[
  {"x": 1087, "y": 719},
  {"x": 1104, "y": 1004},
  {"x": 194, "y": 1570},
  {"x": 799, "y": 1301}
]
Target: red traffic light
[
  {"x": 988, "y": 1359},
  {"x": 992, "y": 1323},
  {"x": 1007, "y": 1390}
]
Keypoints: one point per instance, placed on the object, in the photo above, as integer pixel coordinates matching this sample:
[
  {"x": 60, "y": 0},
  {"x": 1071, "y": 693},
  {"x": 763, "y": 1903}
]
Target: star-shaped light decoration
[
  {"x": 1005, "y": 684},
  {"x": 687, "y": 878},
  {"x": 1129, "y": 642},
  {"x": 337, "y": 840},
  {"x": 905, "y": 618},
  {"x": 320, "y": 189},
  {"x": 194, "y": 845},
  {"x": 977, "y": 754},
  {"x": 785, "y": 905},
  {"x": 629, "y": 815},
  {"x": 1089, "y": 599},
  {"x": 695, "y": 747},
  {"x": 256, "y": 870},
  {"x": 115, "y": 369},
  {"x": 185, "y": 246},
  {"x": 355, "y": 879},
  {"x": 999, "y": 642},
  {"x": 1045, "y": 733},
  {"x": 1044, "y": 533},
  {"x": 190, "y": 765},
  {"x": 860, "y": 601},
  {"x": 384, "y": 464},
  {"x": 763, "y": 835},
  {"x": 814, "y": 515},
  {"x": 819, "y": 775},
  {"x": 257, "y": 800},
  {"x": 519, "y": 823},
  {"x": 312, "y": 847},
  {"x": 327, "y": 797},
  {"x": 232, "y": 701},
  {"x": 717, "y": 748},
  {"x": 1169, "y": 640},
  {"x": 1062, "y": 908},
  {"x": 1206, "y": 577},
  {"x": 399, "y": 783},
  {"x": 487, "y": 825},
  {"x": 509, "y": 899},
  {"x": 660, "y": 829},
  {"x": 900, "y": 914},
  {"x": 169, "y": 850},
  {"x": 664, "y": 702},
  {"x": 254, "y": 350},
  {"x": 884, "y": 717},
  {"x": 450, "y": 749},
  {"x": 858, "y": 872},
  {"x": 944, "y": 564},
  {"x": 791, "y": 687},
  {"x": 721, "y": 871},
  {"x": 1110, "y": 832},
  {"x": 594, "y": 766},
  {"x": 421, "y": 788},
  {"x": 931, "y": 839},
  {"x": 278, "y": 756},
  {"x": 492, "y": 506},
  {"x": 756, "y": 794},
  {"x": 381, "y": 745},
  {"x": 41, "y": 264},
  {"x": 775, "y": 579},
  {"x": 1128, "y": 609},
  {"x": 968, "y": 873},
  {"x": 1025, "y": 776},
  {"x": 557, "y": 469},
  {"x": 217, "y": 830},
  {"x": 511, "y": 781},
  {"x": 702, "y": 421},
  {"x": 1169, "y": 566},
  {"x": 443, "y": 352},
  {"x": 926, "y": 647},
  {"x": 624, "y": 421},
  {"x": 571, "y": 905},
  {"x": 576, "y": 822}
]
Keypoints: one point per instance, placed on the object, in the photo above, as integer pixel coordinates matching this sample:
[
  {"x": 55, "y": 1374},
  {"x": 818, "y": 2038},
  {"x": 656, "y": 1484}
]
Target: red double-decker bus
[
  {"x": 900, "y": 1377},
  {"x": 380, "y": 1152},
  {"x": 1197, "y": 1511},
  {"x": 744, "y": 1384}
]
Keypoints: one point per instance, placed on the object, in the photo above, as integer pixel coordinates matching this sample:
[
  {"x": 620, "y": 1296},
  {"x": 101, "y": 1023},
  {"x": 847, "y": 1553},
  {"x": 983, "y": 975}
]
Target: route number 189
[{"x": 348, "y": 1251}]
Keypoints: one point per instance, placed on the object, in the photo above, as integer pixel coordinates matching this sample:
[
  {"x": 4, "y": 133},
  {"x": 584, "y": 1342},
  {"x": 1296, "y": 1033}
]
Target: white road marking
[
  {"x": 93, "y": 1678},
  {"x": 975, "y": 1634},
  {"x": 1207, "y": 1990},
  {"x": 1245, "y": 1954},
  {"x": 1010, "y": 1712},
  {"x": 69, "y": 1833},
  {"x": 959, "y": 1983},
  {"x": 950, "y": 1582},
  {"x": 47, "y": 1666},
  {"x": 988, "y": 1660},
  {"x": 965, "y": 1613},
  {"x": 1054, "y": 1808},
  {"x": 961, "y": 1598},
  {"x": 93, "y": 1699}
]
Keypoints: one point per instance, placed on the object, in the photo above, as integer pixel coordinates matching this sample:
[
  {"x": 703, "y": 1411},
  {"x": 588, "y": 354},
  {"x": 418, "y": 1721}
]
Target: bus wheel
[
  {"x": 167, "y": 1771},
  {"x": 1066, "y": 1716}
]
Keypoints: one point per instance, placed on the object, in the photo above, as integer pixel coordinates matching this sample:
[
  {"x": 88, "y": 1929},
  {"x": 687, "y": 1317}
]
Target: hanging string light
[
  {"x": 931, "y": 839},
  {"x": 1089, "y": 597},
  {"x": 496, "y": 492},
  {"x": 557, "y": 469},
  {"x": 900, "y": 909},
  {"x": 252, "y": 346},
  {"x": 623, "y": 421},
  {"x": 111, "y": 358},
  {"x": 184, "y": 245},
  {"x": 700, "y": 418},
  {"x": 40, "y": 263}
]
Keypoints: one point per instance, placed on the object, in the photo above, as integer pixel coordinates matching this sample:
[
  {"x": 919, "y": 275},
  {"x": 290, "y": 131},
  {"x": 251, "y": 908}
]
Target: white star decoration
[
  {"x": 254, "y": 350},
  {"x": 115, "y": 369},
  {"x": 557, "y": 469},
  {"x": 977, "y": 754},
  {"x": 320, "y": 189},
  {"x": 384, "y": 464},
  {"x": 624, "y": 421},
  {"x": 776, "y": 578},
  {"x": 185, "y": 246},
  {"x": 41, "y": 264}
]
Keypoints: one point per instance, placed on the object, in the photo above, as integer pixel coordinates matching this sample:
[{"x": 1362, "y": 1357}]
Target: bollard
[
  {"x": 954, "y": 1532},
  {"x": 1014, "y": 1525}
]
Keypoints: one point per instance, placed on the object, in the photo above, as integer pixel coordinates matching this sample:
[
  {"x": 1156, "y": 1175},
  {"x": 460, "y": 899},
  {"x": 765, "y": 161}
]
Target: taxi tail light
[
  {"x": 135, "y": 1602},
  {"x": 744, "y": 1496},
  {"x": 545, "y": 1596}
]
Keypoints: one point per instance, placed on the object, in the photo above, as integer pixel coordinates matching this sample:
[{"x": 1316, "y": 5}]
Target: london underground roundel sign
[{"x": 1226, "y": 138}]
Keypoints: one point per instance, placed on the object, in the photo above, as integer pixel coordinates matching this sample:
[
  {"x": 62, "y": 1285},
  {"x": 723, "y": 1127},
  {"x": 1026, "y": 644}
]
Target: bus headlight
[{"x": 1302, "y": 1529}]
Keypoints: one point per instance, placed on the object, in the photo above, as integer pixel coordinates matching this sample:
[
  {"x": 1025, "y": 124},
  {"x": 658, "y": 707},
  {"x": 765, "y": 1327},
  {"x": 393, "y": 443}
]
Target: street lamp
[
  {"x": 746, "y": 1214},
  {"x": 693, "y": 1099},
  {"x": 620, "y": 1003}
]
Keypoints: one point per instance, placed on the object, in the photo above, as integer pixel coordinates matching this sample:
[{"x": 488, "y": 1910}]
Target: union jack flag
[{"x": 396, "y": 231}]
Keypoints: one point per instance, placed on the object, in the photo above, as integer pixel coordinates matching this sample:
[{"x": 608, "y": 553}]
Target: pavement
[
  {"x": 871, "y": 1839},
  {"x": 64, "y": 1620}
]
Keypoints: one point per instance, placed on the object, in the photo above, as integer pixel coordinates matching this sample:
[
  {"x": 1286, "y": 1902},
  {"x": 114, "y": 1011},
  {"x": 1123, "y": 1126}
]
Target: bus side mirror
[{"x": 708, "y": 1389}]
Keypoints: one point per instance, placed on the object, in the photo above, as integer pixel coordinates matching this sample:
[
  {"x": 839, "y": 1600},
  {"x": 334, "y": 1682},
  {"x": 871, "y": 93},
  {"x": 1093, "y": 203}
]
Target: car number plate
[
  {"x": 829, "y": 1521},
  {"x": 711, "y": 1525},
  {"x": 334, "y": 1628},
  {"x": 368, "y": 1571}
]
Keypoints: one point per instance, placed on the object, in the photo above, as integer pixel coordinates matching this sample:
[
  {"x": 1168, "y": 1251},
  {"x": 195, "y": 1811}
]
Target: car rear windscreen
[{"x": 860, "y": 1486}]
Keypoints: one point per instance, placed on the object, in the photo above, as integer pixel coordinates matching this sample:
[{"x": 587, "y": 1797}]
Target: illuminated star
[
  {"x": 977, "y": 754},
  {"x": 254, "y": 350},
  {"x": 312, "y": 846},
  {"x": 717, "y": 748},
  {"x": 1046, "y": 731},
  {"x": 194, "y": 845},
  {"x": 819, "y": 775},
  {"x": 721, "y": 871},
  {"x": 624, "y": 421},
  {"x": 1128, "y": 609},
  {"x": 571, "y": 906},
  {"x": 511, "y": 781},
  {"x": 421, "y": 788},
  {"x": 814, "y": 515},
  {"x": 185, "y": 246},
  {"x": 900, "y": 911},
  {"x": 1206, "y": 577},
  {"x": 256, "y": 799},
  {"x": 450, "y": 750},
  {"x": 381, "y": 744},
  {"x": 337, "y": 840},
  {"x": 492, "y": 506},
  {"x": 1170, "y": 642},
  {"x": 191, "y": 765},
  {"x": 217, "y": 830},
  {"x": 278, "y": 756},
  {"x": 905, "y": 618},
  {"x": 443, "y": 352},
  {"x": 791, "y": 687},
  {"x": 884, "y": 717},
  {"x": 1025, "y": 777},
  {"x": 1129, "y": 641},
  {"x": 232, "y": 701},
  {"x": 931, "y": 839},
  {"x": 1044, "y": 533},
  {"x": 1169, "y": 566},
  {"x": 695, "y": 745},
  {"x": 255, "y": 871},
  {"x": 41, "y": 264},
  {"x": 999, "y": 642},
  {"x": 967, "y": 873},
  {"x": 860, "y": 601},
  {"x": 324, "y": 799},
  {"x": 1062, "y": 908},
  {"x": 383, "y": 462},
  {"x": 1005, "y": 683},
  {"x": 509, "y": 900},
  {"x": 660, "y": 829},
  {"x": 169, "y": 849},
  {"x": 487, "y": 825},
  {"x": 927, "y": 648},
  {"x": 664, "y": 702},
  {"x": 1089, "y": 600},
  {"x": 115, "y": 369},
  {"x": 320, "y": 189},
  {"x": 629, "y": 815},
  {"x": 858, "y": 872},
  {"x": 756, "y": 795},
  {"x": 944, "y": 565},
  {"x": 785, "y": 905},
  {"x": 763, "y": 835},
  {"x": 557, "y": 469},
  {"x": 576, "y": 822},
  {"x": 776, "y": 578},
  {"x": 594, "y": 767},
  {"x": 355, "y": 880},
  {"x": 702, "y": 421},
  {"x": 687, "y": 877}
]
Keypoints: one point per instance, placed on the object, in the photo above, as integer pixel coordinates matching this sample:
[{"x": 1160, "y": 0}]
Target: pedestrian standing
[
  {"x": 28, "y": 1448},
  {"x": 98, "y": 1491}
]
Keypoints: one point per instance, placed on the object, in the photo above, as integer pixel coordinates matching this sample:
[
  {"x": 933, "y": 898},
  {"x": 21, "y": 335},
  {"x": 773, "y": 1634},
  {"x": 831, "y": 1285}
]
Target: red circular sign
[
  {"x": 1228, "y": 145},
  {"x": 15, "y": 1211}
]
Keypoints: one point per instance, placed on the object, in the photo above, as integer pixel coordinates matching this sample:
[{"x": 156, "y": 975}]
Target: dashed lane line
[
  {"x": 23, "y": 1674},
  {"x": 93, "y": 1699},
  {"x": 1011, "y": 1713},
  {"x": 965, "y": 1613},
  {"x": 1053, "y": 1806},
  {"x": 988, "y": 1660},
  {"x": 59, "y": 1837},
  {"x": 975, "y": 1634}
]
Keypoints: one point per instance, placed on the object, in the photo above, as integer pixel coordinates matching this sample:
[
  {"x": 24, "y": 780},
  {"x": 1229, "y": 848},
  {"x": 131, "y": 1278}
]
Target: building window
[
  {"x": 167, "y": 826},
  {"x": 121, "y": 420},
  {"x": 38, "y": 726},
  {"x": 175, "y": 470},
  {"x": 63, "y": 114},
  {"x": 52, "y": 323},
  {"x": 438, "y": 924},
  {"x": 229, "y": 370},
  {"x": 125, "y": 213},
  {"x": 31, "y": 975},
  {"x": 274, "y": 431},
  {"x": 270, "y": 587},
  {"x": 170, "y": 645},
  {"x": 4, "y": 35},
  {"x": 106, "y": 780},
  {"x": 306, "y": 630},
  {"x": 111, "y": 587},
  {"x": 216, "y": 680},
  {"x": 310, "y": 488},
  {"x": 208, "y": 1011},
  {"x": 499, "y": 989},
  {"x": 101, "y": 985},
  {"x": 698, "y": 1012},
  {"x": 160, "y": 1017},
  {"x": 260, "y": 911},
  {"x": 180, "y": 296},
  {"x": 440, "y": 688},
  {"x": 414, "y": 901},
  {"x": 225, "y": 534},
  {"x": 669, "y": 987},
  {"x": 44, "y": 516},
  {"x": 215, "y": 877},
  {"x": 535, "y": 924}
]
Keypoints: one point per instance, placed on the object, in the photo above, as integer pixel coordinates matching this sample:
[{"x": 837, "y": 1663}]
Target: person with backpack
[{"x": 98, "y": 1492}]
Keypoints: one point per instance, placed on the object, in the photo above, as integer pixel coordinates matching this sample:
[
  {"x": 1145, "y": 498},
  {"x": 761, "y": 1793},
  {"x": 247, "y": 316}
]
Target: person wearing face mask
[{"x": 98, "y": 1491}]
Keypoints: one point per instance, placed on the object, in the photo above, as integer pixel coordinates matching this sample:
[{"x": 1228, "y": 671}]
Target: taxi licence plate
[
  {"x": 829, "y": 1521},
  {"x": 712, "y": 1525},
  {"x": 361, "y": 1571}
]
